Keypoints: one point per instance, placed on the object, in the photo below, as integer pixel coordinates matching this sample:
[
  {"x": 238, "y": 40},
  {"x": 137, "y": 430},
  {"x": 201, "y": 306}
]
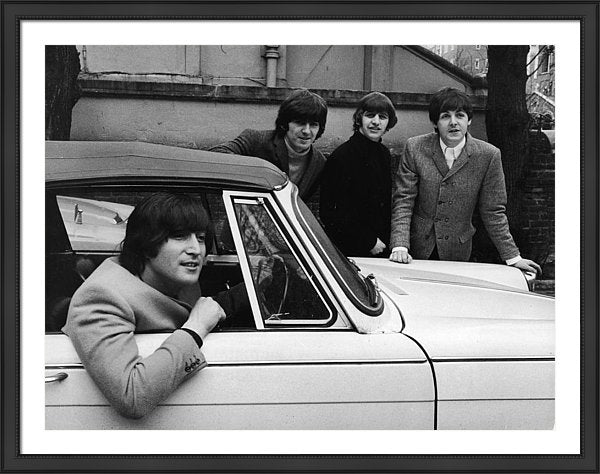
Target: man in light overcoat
[{"x": 442, "y": 178}]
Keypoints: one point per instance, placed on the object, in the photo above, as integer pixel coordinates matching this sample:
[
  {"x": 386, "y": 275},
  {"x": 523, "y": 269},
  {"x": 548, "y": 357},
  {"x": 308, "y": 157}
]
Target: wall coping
[{"x": 124, "y": 86}]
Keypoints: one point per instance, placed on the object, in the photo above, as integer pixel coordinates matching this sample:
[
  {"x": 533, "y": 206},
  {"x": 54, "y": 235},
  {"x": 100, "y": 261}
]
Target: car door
[{"x": 298, "y": 364}]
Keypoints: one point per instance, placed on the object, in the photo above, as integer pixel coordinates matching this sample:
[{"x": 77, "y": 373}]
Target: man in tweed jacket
[
  {"x": 300, "y": 121},
  {"x": 442, "y": 178}
]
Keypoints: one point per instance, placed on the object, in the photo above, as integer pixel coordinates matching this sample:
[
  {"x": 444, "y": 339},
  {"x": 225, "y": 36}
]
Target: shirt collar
[{"x": 457, "y": 149}]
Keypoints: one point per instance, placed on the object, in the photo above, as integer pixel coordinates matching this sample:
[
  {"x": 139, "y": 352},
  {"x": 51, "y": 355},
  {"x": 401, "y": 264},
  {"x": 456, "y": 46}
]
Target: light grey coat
[
  {"x": 104, "y": 313},
  {"x": 432, "y": 204}
]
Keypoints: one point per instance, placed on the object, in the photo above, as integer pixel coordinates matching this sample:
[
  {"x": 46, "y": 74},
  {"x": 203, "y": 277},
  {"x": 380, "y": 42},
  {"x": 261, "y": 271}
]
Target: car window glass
[
  {"x": 285, "y": 291},
  {"x": 87, "y": 225},
  {"x": 93, "y": 224},
  {"x": 223, "y": 238}
]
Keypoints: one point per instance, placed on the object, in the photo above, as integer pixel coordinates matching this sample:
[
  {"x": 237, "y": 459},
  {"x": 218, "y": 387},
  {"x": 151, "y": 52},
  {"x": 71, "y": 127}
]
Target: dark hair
[
  {"x": 155, "y": 219},
  {"x": 447, "y": 99},
  {"x": 301, "y": 106},
  {"x": 375, "y": 102}
]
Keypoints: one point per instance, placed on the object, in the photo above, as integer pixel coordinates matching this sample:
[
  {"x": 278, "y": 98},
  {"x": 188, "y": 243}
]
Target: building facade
[{"x": 200, "y": 95}]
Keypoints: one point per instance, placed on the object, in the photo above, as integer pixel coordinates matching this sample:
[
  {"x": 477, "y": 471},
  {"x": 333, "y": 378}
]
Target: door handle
[{"x": 56, "y": 377}]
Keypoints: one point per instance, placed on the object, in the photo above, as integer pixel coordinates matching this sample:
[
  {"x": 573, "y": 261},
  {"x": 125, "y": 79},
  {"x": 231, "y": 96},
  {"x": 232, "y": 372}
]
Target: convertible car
[{"x": 331, "y": 343}]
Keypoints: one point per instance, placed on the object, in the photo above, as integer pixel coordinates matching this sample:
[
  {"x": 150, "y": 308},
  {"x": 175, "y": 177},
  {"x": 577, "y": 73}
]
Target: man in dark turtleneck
[
  {"x": 300, "y": 121},
  {"x": 356, "y": 186}
]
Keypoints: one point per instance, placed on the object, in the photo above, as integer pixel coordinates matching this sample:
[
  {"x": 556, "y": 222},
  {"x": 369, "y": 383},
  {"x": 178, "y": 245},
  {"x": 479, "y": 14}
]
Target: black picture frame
[{"x": 13, "y": 13}]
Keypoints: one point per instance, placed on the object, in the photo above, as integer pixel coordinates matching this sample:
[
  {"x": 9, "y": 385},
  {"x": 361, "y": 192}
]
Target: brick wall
[{"x": 538, "y": 205}]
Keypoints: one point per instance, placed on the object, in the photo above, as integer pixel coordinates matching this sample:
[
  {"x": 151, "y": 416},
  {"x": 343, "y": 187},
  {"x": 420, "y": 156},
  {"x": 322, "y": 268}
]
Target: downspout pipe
[{"x": 272, "y": 55}]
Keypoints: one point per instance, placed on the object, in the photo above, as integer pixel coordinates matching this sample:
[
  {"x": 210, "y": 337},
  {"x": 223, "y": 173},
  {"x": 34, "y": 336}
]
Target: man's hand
[
  {"x": 378, "y": 248},
  {"x": 527, "y": 265},
  {"x": 401, "y": 256},
  {"x": 205, "y": 315}
]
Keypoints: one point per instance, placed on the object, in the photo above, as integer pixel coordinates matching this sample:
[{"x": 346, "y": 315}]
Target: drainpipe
[{"x": 272, "y": 55}]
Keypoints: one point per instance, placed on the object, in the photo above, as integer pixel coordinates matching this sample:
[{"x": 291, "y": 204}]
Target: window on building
[
  {"x": 476, "y": 63},
  {"x": 477, "y": 47},
  {"x": 544, "y": 61}
]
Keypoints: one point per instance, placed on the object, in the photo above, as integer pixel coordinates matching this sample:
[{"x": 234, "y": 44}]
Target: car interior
[{"x": 84, "y": 226}]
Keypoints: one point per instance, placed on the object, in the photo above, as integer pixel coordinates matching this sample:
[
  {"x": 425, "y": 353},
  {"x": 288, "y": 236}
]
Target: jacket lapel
[
  {"x": 281, "y": 154},
  {"x": 438, "y": 155}
]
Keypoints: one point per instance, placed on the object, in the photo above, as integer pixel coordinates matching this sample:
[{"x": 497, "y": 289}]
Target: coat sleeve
[
  {"x": 338, "y": 209},
  {"x": 492, "y": 208},
  {"x": 101, "y": 326},
  {"x": 404, "y": 191},
  {"x": 241, "y": 145}
]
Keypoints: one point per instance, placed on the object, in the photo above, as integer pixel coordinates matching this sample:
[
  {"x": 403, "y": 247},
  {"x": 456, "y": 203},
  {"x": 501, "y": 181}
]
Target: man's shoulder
[
  {"x": 109, "y": 275},
  {"x": 258, "y": 135},
  {"x": 426, "y": 139},
  {"x": 422, "y": 143},
  {"x": 481, "y": 146},
  {"x": 341, "y": 150}
]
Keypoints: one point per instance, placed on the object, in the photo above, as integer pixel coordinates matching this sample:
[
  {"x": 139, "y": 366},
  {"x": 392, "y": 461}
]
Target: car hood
[{"x": 467, "y": 310}]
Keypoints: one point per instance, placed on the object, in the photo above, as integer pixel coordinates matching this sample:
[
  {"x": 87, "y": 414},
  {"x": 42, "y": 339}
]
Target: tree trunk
[
  {"x": 62, "y": 90},
  {"x": 507, "y": 122}
]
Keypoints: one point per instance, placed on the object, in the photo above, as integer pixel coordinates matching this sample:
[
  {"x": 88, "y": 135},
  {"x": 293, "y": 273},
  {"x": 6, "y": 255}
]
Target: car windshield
[{"x": 361, "y": 289}]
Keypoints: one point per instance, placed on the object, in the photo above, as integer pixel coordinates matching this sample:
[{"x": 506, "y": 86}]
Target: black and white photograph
[
  {"x": 264, "y": 245},
  {"x": 273, "y": 237}
]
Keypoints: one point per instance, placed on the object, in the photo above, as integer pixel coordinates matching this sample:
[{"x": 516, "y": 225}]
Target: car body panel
[
  {"x": 494, "y": 414},
  {"x": 267, "y": 380},
  {"x": 453, "y": 345}
]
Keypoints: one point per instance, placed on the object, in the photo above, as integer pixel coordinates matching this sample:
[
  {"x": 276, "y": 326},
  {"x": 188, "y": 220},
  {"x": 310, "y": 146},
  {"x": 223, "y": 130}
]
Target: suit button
[
  {"x": 449, "y": 202},
  {"x": 446, "y": 219},
  {"x": 446, "y": 238}
]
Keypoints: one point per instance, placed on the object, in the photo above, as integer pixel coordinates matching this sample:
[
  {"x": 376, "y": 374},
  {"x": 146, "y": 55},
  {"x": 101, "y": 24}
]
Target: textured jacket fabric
[
  {"x": 104, "y": 313},
  {"x": 267, "y": 145},
  {"x": 355, "y": 195},
  {"x": 433, "y": 205}
]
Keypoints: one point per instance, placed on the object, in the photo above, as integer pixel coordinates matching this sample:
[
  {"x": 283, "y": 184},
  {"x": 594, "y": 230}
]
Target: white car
[{"x": 333, "y": 344}]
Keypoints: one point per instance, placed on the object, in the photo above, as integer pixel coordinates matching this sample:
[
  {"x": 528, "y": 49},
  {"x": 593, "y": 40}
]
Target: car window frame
[
  {"x": 338, "y": 320},
  {"x": 375, "y": 311}
]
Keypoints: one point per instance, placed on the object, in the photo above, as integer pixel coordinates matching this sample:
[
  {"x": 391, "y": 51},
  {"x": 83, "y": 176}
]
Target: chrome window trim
[
  {"x": 332, "y": 267},
  {"x": 296, "y": 245},
  {"x": 228, "y": 197}
]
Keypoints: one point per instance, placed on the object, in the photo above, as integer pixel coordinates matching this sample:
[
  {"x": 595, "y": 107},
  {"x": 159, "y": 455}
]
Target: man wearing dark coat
[
  {"x": 300, "y": 121},
  {"x": 356, "y": 185}
]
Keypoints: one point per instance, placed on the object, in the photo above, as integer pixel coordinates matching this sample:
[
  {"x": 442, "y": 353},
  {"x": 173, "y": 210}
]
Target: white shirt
[{"x": 451, "y": 153}]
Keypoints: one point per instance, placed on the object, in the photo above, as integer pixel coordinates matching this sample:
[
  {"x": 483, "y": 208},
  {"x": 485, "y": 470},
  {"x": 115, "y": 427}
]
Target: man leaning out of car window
[{"x": 139, "y": 291}]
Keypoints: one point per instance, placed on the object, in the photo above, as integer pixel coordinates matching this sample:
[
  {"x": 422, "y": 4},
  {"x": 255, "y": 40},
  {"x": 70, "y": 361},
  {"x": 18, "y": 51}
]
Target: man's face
[
  {"x": 373, "y": 125},
  {"x": 177, "y": 264},
  {"x": 452, "y": 126},
  {"x": 301, "y": 135}
]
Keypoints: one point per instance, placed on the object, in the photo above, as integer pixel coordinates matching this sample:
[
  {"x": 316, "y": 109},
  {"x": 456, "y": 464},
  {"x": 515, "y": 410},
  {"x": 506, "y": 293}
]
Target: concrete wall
[
  {"x": 413, "y": 74},
  {"x": 198, "y": 119},
  {"x": 343, "y": 67},
  {"x": 326, "y": 66}
]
